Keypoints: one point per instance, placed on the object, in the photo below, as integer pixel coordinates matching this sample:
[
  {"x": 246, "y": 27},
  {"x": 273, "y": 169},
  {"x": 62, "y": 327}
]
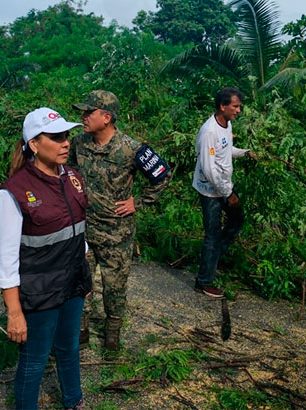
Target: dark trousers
[
  {"x": 217, "y": 236},
  {"x": 60, "y": 328}
]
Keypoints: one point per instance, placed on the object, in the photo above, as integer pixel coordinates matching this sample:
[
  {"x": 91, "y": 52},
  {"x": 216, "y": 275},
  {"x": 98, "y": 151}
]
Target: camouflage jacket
[{"x": 109, "y": 172}]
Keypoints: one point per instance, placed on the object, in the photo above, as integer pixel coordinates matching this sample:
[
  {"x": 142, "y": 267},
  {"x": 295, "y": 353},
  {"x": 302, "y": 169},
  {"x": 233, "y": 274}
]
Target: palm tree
[
  {"x": 291, "y": 76},
  {"x": 258, "y": 36},
  {"x": 249, "y": 55},
  {"x": 224, "y": 59}
]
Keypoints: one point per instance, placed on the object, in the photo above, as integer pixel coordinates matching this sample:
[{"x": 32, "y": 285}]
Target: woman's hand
[
  {"x": 16, "y": 323},
  {"x": 16, "y": 327}
]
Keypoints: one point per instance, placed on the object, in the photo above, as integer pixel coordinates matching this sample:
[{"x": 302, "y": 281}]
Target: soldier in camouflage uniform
[{"x": 109, "y": 160}]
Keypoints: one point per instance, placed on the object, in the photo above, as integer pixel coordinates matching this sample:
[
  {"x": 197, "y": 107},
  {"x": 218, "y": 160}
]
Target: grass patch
[
  {"x": 107, "y": 405},
  {"x": 235, "y": 399}
]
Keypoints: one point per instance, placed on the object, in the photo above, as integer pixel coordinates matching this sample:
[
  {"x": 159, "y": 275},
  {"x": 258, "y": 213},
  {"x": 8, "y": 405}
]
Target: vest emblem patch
[
  {"x": 76, "y": 183},
  {"x": 30, "y": 196}
]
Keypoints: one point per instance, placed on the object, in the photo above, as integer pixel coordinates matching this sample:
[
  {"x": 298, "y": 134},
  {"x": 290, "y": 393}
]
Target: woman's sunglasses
[{"x": 58, "y": 137}]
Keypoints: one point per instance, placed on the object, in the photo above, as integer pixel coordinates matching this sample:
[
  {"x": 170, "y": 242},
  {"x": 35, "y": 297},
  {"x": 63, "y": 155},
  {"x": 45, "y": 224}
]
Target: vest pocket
[
  {"x": 42, "y": 291},
  {"x": 47, "y": 215}
]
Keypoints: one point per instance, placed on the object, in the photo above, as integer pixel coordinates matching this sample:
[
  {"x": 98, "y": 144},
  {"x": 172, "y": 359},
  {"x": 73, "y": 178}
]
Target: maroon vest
[
  {"x": 48, "y": 204},
  {"x": 52, "y": 255}
]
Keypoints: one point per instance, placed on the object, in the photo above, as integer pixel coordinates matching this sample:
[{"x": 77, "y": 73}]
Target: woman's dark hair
[
  {"x": 224, "y": 96},
  {"x": 19, "y": 157}
]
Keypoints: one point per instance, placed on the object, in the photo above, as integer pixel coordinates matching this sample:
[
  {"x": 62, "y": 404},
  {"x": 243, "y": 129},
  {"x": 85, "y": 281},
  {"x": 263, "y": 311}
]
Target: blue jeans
[
  {"x": 217, "y": 238},
  {"x": 59, "y": 329}
]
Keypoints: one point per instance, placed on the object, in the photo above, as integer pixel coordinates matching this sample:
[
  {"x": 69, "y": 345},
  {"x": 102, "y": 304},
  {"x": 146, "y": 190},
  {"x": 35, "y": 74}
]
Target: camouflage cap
[{"x": 99, "y": 99}]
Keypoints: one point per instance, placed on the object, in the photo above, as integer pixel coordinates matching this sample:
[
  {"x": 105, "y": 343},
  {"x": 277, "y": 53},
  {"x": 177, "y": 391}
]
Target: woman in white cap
[{"x": 43, "y": 273}]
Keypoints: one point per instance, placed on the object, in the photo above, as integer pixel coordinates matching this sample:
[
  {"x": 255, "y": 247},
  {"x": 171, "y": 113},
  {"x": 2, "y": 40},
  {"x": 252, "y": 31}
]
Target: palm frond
[
  {"x": 224, "y": 59},
  {"x": 293, "y": 59},
  {"x": 259, "y": 33},
  {"x": 180, "y": 60},
  {"x": 290, "y": 78}
]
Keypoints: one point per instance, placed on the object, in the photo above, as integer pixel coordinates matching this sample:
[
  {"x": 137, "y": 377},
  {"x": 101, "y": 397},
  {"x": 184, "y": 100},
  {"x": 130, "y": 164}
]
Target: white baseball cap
[{"x": 45, "y": 120}]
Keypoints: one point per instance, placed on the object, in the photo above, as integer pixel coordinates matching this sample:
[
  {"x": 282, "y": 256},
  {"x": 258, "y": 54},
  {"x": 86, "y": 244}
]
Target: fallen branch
[
  {"x": 283, "y": 389},
  {"x": 121, "y": 385},
  {"x": 263, "y": 386},
  {"x": 246, "y": 336},
  {"x": 215, "y": 366},
  {"x": 102, "y": 362},
  {"x": 181, "y": 399},
  {"x": 177, "y": 262}
]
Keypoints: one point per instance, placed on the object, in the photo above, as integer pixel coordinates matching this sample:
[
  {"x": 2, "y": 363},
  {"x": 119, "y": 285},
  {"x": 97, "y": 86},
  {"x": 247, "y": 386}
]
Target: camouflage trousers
[{"x": 110, "y": 258}]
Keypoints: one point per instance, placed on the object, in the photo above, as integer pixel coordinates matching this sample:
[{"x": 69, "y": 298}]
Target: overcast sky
[{"x": 125, "y": 10}]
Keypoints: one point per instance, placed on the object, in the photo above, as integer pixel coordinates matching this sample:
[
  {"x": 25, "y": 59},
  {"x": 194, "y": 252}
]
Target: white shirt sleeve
[
  {"x": 10, "y": 237},
  {"x": 238, "y": 152}
]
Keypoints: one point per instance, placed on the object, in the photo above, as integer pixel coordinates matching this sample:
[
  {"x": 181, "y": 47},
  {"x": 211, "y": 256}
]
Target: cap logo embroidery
[{"x": 54, "y": 115}]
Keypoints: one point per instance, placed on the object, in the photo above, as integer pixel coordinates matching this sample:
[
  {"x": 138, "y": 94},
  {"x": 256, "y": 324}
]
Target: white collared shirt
[{"x": 10, "y": 237}]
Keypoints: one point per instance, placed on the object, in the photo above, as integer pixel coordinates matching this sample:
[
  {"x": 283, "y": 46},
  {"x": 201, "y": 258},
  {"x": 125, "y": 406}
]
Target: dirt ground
[{"x": 266, "y": 350}]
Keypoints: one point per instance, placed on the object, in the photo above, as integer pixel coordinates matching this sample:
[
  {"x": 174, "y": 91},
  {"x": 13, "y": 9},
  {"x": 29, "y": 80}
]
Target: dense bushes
[
  {"x": 272, "y": 190},
  {"x": 167, "y": 111}
]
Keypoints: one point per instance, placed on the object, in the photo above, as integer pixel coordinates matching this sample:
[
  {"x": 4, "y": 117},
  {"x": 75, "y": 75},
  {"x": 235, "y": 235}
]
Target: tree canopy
[
  {"x": 166, "y": 72},
  {"x": 46, "y": 39},
  {"x": 193, "y": 21}
]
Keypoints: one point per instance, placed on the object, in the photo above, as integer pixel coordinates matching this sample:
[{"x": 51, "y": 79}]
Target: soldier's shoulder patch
[{"x": 151, "y": 164}]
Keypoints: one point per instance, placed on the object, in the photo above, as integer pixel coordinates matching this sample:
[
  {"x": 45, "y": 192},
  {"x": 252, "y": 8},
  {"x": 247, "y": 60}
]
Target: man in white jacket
[{"x": 213, "y": 180}]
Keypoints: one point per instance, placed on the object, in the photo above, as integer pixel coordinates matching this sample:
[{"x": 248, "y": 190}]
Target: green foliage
[
  {"x": 173, "y": 365},
  {"x": 8, "y": 350},
  {"x": 259, "y": 32},
  {"x": 167, "y": 110},
  {"x": 224, "y": 60},
  {"x": 291, "y": 76},
  {"x": 176, "y": 228},
  {"x": 249, "y": 57},
  {"x": 298, "y": 32},
  {"x": 47, "y": 39},
  {"x": 290, "y": 79},
  {"x": 189, "y": 21},
  {"x": 107, "y": 405},
  {"x": 16, "y": 104},
  {"x": 233, "y": 399},
  {"x": 274, "y": 192},
  {"x": 129, "y": 65}
]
